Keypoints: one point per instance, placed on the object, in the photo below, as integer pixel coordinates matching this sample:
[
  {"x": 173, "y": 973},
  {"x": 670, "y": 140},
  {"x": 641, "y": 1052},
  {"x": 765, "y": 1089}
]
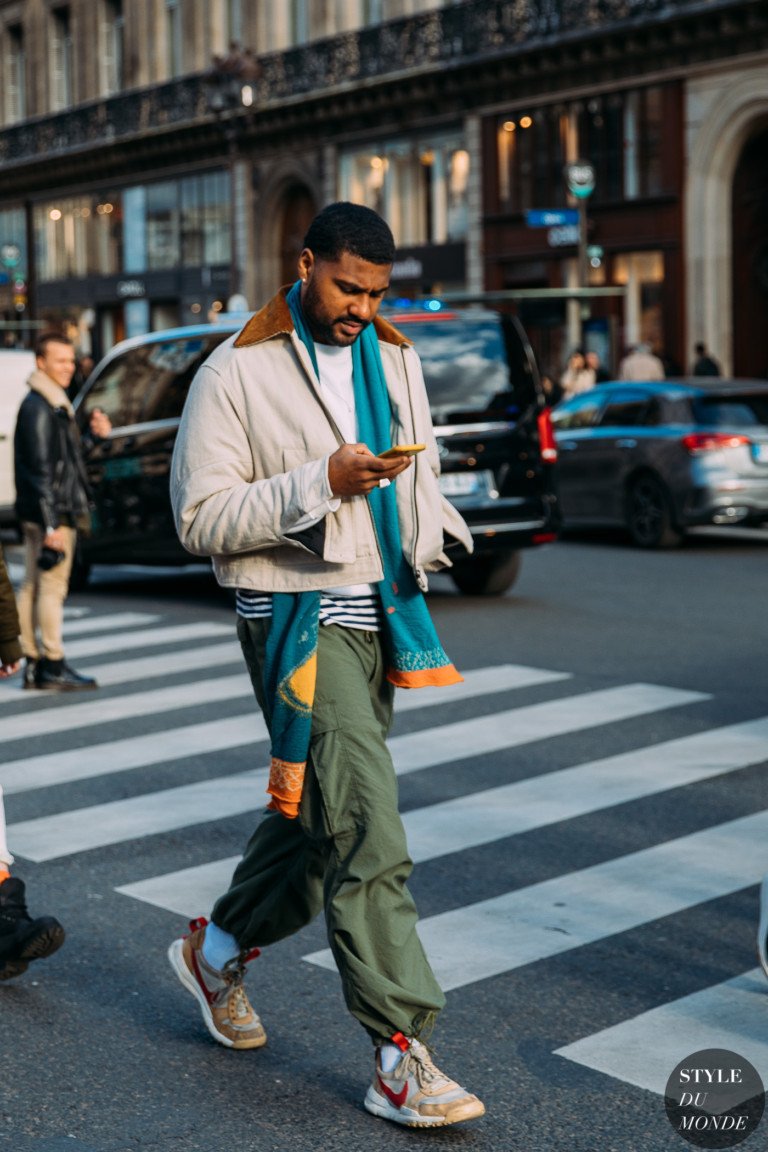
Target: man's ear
[{"x": 306, "y": 265}]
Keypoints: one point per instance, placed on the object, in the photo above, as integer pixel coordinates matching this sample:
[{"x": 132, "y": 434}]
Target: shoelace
[{"x": 419, "y": 1062}]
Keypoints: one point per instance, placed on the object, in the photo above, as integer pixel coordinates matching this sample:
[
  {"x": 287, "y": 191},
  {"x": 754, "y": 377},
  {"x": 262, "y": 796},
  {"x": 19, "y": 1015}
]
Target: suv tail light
[
  {"x": 712, "y": 441},
  {"x": 547, "y": 441}
]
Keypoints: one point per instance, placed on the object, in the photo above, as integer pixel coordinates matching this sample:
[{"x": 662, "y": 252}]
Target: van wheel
[
  {"x": 487, "y": 575},
  {"x": 649, "y": 514}
]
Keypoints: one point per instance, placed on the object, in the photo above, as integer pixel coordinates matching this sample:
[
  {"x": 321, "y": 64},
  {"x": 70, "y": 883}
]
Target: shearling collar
[
  {"x": 50, "y": 391},
  {"x": 275, "y": 319}
]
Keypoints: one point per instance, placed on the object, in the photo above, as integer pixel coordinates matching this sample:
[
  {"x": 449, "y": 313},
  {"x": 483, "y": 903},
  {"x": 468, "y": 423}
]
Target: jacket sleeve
[
  {"x": 221, "y": 505},
  {"x": 10, "y": 649},
  {"x": 35, "y": 464}
]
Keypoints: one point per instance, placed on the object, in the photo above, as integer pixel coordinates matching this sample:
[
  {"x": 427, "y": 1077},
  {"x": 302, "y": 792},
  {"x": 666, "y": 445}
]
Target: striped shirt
[{"x": 363, "y": 612}]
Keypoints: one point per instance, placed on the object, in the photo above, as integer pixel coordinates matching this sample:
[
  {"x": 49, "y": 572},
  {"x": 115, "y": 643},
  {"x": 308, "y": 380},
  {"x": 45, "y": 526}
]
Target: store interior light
[
  {"x": 55, "y": 214},
  {"x": 526, "y": 122},
  {"x": 509, "y": 125}
]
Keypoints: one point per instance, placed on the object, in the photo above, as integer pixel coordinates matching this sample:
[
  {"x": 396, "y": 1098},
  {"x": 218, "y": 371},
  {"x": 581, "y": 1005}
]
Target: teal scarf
[{"x": 414, "y": 653}]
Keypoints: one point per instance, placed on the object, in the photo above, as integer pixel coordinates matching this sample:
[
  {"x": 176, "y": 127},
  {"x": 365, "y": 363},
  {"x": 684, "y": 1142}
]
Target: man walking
[
  {"x": 52, "y": 498},
  {"x": 278, "y": 475}
]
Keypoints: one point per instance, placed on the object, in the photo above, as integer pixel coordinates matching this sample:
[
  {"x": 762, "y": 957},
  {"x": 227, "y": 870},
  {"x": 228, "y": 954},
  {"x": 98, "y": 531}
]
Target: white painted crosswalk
[{"x": 468, "y": 943}]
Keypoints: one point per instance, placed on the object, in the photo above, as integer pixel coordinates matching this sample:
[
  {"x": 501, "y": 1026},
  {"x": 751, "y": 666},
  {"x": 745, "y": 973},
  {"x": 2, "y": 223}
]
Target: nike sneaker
[{"x": 417, "y": 1094}]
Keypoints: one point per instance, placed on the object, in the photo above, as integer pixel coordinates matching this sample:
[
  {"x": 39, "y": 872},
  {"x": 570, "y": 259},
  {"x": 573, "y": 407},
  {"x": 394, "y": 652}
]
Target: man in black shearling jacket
[{"x": 52, "y": 502}]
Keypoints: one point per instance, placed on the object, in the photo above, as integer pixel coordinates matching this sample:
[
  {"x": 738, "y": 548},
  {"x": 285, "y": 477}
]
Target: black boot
[
  {"x": 57, "y": 676},
  {"x": 21, "y": 938},
  {"x": 30, "y": 668}
]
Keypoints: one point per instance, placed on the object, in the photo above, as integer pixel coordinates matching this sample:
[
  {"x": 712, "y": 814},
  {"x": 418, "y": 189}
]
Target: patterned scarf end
[
  {"x": 425, "y": 677},
  {"x": 286, "y": 781}
]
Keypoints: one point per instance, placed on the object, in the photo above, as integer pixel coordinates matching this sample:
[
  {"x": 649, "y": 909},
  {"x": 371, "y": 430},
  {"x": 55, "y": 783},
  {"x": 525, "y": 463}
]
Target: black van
[{"x": 491, "y": 422}]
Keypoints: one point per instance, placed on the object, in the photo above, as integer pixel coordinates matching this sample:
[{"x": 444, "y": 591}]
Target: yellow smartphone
[{"x": 401, "y": 450}]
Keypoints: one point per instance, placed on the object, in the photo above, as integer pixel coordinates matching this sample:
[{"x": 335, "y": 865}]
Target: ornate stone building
[{"x": 143, "y": 186}]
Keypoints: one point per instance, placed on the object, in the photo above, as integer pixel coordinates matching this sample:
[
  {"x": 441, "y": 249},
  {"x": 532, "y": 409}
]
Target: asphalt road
[{"x": 589, "y": 828}]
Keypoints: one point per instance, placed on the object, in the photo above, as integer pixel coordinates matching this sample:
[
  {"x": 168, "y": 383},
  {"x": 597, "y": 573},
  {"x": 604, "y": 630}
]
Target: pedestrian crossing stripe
[
  {"x": 646, "y": 1049},
  {"x": 497, "y": 813},
  {"x": 111, "y": 624},
  {"x": 50, "y": 837},
  {"x": 507, "y": 932},
  {"x": 468, "y": 943}
]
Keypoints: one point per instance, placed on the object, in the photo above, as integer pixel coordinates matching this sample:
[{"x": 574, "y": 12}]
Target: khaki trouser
[
  {"x": 346, "y": 853},
  {"x": 40, "y": 601}
]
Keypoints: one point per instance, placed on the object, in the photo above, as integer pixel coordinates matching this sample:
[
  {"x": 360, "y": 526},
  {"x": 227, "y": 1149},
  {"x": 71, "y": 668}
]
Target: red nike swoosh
[{"x": 397, "y": 1098}]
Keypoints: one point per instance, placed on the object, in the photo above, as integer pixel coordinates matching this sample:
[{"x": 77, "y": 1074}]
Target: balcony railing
[{"x": 466, "y": 34}]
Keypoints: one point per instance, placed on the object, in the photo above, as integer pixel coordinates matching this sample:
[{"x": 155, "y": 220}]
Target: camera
[{"x": 49, "y": 558}]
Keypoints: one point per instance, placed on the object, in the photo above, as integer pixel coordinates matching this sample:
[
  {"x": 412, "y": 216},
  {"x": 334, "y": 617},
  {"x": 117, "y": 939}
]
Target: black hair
[
  {"x": 353, "y": 228},
  {"x": 51, "y": 336},
  {"x": 699, "y": 348}
]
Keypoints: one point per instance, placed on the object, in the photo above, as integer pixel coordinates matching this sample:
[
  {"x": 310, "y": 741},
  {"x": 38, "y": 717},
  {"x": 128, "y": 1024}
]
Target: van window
[
  {"x": 149, "y": 382},
  {"x": 466, "y": 362}
]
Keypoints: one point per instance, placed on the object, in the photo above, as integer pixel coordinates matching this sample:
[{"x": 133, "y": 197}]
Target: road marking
[
  {"x": 497, "y": 813},
  {"x": 138, "y": 704},
  {"x": 517, "y": 726},
  {"x": 438, "y": 745},
  {"x": 133, "y": 752},
  {"x": 142, "y": 668},
  {"x": 146, "y": 638},
  {"x": 88, "y": 623},
  {"x": 188, "y": 891},
  {"x": 507, "y": 932},
  {"x": 646, "y": 1049},
  {"x": 102, "y": 824}
]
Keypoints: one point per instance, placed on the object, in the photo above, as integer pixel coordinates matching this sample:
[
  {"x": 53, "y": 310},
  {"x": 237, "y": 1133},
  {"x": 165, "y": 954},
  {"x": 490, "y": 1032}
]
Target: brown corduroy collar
[{"x": 275, "y": 319}]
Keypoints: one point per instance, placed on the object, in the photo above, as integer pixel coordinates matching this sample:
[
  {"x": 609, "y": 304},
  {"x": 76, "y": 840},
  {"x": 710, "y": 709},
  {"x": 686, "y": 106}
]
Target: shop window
[
  {"x": 643, "y": 275},
  {"x": 419, "y": 185},
  {"x": 77, "y": 236},
  {"x": 532, "y": 153},
  {"x": 162, "y": 225},
  {"x": 206, "y": 219},
  {"x": 16, "y": 74}
]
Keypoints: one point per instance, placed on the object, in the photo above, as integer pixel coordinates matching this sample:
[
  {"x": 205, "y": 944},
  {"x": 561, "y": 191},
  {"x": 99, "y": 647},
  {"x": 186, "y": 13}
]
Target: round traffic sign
[
  {"x": 10, "y": 255},
  {"x": 580, "y": 178}
]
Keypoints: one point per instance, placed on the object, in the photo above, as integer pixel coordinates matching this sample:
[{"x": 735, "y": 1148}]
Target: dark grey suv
[
  {"x": 491, "y": 421},
  {"x": 659, "y": 458}
]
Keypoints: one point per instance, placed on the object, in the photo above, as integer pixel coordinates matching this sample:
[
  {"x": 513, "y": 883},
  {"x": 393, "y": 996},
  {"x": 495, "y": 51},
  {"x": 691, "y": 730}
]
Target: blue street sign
[{"x": 551, "y": 217}]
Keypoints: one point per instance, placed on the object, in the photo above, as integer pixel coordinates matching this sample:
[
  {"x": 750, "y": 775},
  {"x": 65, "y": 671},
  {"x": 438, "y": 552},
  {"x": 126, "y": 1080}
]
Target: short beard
[{"x": 322, "y": 332}]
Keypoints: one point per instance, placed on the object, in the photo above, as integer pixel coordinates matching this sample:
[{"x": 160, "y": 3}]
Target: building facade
[{"x": 162, "y": 159}]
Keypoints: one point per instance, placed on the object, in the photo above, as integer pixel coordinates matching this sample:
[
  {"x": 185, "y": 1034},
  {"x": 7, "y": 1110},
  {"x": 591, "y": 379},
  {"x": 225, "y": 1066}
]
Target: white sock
[
  {"x": 218, "y": 947},
  {"x": 389, "y": 1056}
]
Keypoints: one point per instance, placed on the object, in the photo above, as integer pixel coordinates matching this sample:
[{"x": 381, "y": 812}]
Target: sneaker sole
[
  {"x": 13, "y": 968},
  {"x": 176, "y": 960},
  {"x": 46, "y": 940},
  {"x": 379, "y": 1106}
]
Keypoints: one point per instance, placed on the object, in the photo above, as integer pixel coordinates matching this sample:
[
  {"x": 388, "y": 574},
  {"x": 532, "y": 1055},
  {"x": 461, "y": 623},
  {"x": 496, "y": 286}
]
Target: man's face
[
  {"x": 58, "y": 362},
  {"x": 341, "y": 297}
]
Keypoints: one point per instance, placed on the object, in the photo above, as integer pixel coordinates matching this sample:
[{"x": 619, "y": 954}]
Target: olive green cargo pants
[{"x": 346, "y": 853}]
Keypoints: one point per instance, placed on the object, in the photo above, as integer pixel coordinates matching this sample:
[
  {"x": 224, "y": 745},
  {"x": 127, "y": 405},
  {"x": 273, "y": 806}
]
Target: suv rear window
[
  {"x": 475, "y": 367},
  {"x": 744, "y": 411}
]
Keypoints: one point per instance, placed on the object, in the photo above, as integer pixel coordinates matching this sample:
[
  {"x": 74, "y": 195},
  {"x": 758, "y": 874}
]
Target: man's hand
[
  {"x": 353, "y": 470},
  {"x": 100, "y": 424},
  {"x": 55, "y": 539},
  {"x": 7, "y": 670}
]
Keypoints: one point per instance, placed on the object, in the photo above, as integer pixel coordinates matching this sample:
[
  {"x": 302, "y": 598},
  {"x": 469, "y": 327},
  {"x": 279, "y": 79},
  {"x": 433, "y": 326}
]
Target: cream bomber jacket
[{"x": 254, "y": 439}]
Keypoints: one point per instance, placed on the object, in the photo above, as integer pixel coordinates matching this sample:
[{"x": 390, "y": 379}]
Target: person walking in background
[
  {"x": 278, "y": 474},
  {"x": 641, "y": 364},
  {"x": 52, "y": 503},
  {"x": 593, "y": 361},
  {"x": 578, "y": 376},
  {"x": 22, "y": 939},
  {"x": 704, "y": 364}
]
